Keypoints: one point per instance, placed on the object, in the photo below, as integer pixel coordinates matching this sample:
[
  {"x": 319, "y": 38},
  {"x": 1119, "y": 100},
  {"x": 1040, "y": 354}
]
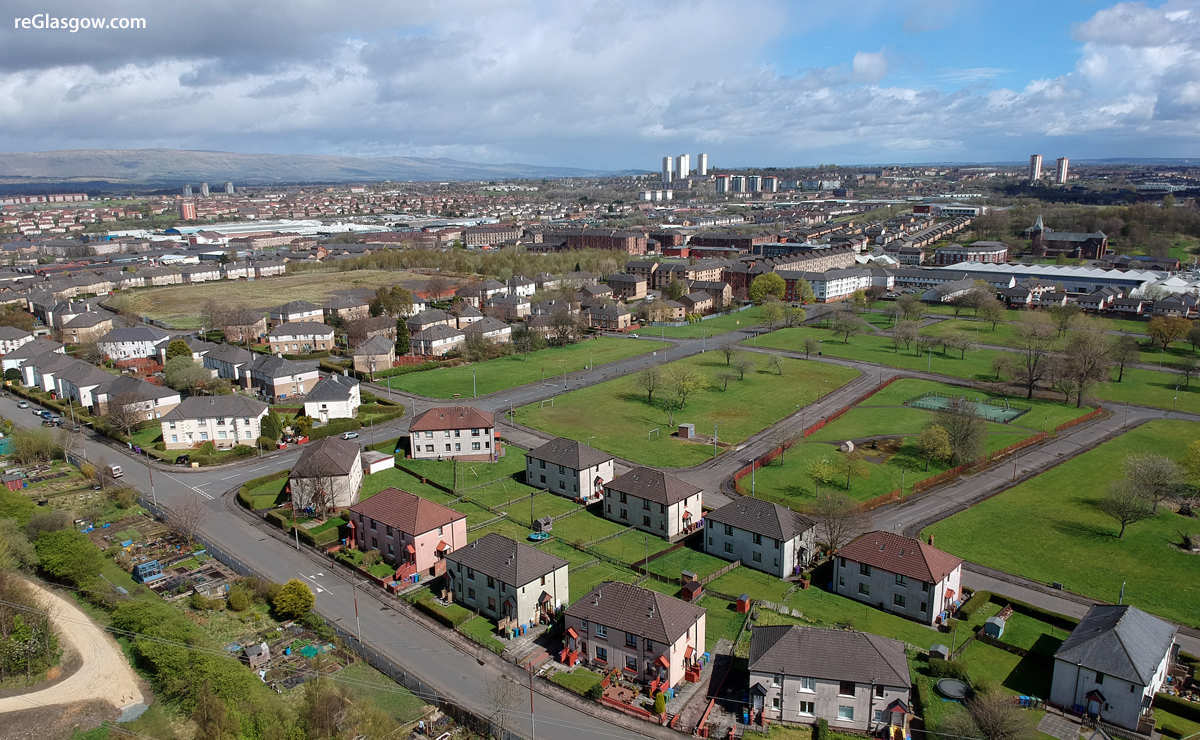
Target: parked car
[
  {"x": 350, "y": 435},
  {"x": 183, "y": 460},
  {"x": 23, "y": 405},
  {"x": 37, "y": 412},
  {"x": 46, "y": 415}
]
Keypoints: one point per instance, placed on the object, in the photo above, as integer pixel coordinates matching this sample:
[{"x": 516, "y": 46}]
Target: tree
[
  {"x": 795, "y": 316},
  {"x": 991, "y": 715},
  {"x": 775, "y": 365},
  {"x": 676, "y": 289},
  {"x": 811, "y": 344},
  {"x": 1166, "y": 329},
  {"x": 182, "y": 373},
  {"x": 1193, "y": 336},
  {"x": 178, "y": 348},
  {"x": 1125, "y": 505},
  {"x": 1064, "y": 316},
  {"x": 13, "y": 375},
  {"x": 724, "y": 379},
  {"x": 294, "y": 600},
  {"x": 1155, "y": 478},
  {"x": 860, "y": 300},
  {"x": 564, "y": 326},
  {"x": 68, "y": 556},
  {"x": 684, "y": 381},
  {"x": 802, "y": 291},
  {"x": 393, "y": 301},
  {"x": 123, "y": 412},
  {"x": 650, "y": 379},
  {"x": 960, "y": 341},
  {"x": 1187, "y": 368},
  {"x": 967, "y": 431},
  {"x": 767, "y": 284},
  {"x": 728, "y": 350},
  {"x": 15, "y": 548},
  {"x": 1086, "y": 358},
  {"x": 272, "y": 426},
  {"x": 990, "y": 309},
  {"x": 1035, "y": 335},
  {"x": 502, "y": 697},
  {"x": 773, "y": 312},
  {"x": 837, "y": 516},
  {"x": 846, "y": 325},
  {"x": 742, "y": 366},
  {"x": 905, "y": 333},
  {"x": 1123, "y": 350},
  {"x": 934, "y": 444},
  {"x": 436, "y": 286},
  {"x": 185, "y": 519},
  {"x": 403, "y": 338},
  {"x": 854, "y": 466},
  {"x": 910, "y": 307},
  {"x": 34, "y": 446},
  {"x": 822, "y": 470}
]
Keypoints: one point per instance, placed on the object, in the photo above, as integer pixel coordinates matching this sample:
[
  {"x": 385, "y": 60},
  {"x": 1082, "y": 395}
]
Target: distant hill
[{"x": 170, "y": 166}]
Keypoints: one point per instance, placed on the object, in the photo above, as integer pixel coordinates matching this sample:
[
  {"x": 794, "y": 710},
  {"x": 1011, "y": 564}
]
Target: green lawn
[
  {"x": 757, "y": 584},
  {"x": 720, "y": 325},
  {"x": 455, "y": 613},
  {"x": 722, "y": 620},
  {"x": 579, "y": 680},
  {"x": 546, "y": 504},
  {"x": 583, "y": 580},
  {"x": 395, "y": 700},
  {"x": 1030, "y": 633},
  {"x": 1152, "y": 388},
  {"x": 459, "y": 474},
  {"x": 685, "y": 558},
  {"x": 509, "y": 529},
  {"x": 825, "y": 609},
  {"x": 614, "y": 416},
  {"x": 1029, "y": 676},
  {"x": 585, "y": 527},
  {"x": 268, "y": 494},
  {"x": 482, "y": 631},
  {"x": 1041, "y": 416},
  {"x": 396, "y": 478},
  {"x": 631, "y": 546},
  {"x": 572, "y": 555},
  {"x": 1050, "y": 529},
  {"x": 515, "y": 370}
]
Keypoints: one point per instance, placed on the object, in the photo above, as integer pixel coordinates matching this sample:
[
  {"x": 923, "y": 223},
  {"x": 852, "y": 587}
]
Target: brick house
[
  {"x": 900, "y": 575},
  {"x": 409, "y": 532}
]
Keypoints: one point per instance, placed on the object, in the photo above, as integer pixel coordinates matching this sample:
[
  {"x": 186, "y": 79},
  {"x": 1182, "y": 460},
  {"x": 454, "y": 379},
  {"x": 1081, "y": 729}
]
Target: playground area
[{"x": 1000, "y": 412}]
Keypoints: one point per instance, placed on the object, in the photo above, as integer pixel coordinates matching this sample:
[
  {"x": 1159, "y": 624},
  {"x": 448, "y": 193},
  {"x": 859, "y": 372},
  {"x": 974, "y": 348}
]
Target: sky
[{"x": 613, "y": 84}]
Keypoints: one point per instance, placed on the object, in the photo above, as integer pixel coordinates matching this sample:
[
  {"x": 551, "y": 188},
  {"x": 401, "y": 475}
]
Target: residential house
[
  {"x": 1113, "y": 663},
  {"x": 650, "y": 637},
  {"x": 436, "y": 341},
  {"x": 127, "y": 343},
  {"x": 491, "y": 288},
  {"x": 508, "y": 307},
  {"x": 654, "y": 502},
  {"x": 360, "y": 330},
  {"x": 852, "y": 680},
  {"x": 374, "y": 355},
  {"x": 492, "y": 330},
  {"x": 519, "y": 285},
  {"x": 412, "y": 533},
  {"x": 347, "y": 307},
  {"x": 697, "y": 302},
  {"x": 461, "y": 432},
  {"x": 666, "y": 310},
  {"x": 504, "y": 579},
  {"x": 11, "y": 338},
  {"x": 27, "y": 353},
  {"x": 294, "y": 311},
  {"x": 546, "y": 281},
  {"x": 300, "y": 337},
  {"x": 627, "y": 287},
  {"x": 327, "y": 476},
  {"x": 430, "y": 318},
  {"x": 146, "y": 400},
  {"x": 763, "y": 535},
  {"x": 900, "y": 575},
  {"x": 243, "y": 325},
  {"x": 609, "y": 317},
  {"x": 86, "y": 327},
  {"x": 465, "y": 314},
  {"x": 225, "y": 421},
  {"x": 333, "y": 397},
  {"x": 569, "y": 468},
  {"x": 277, "y": 378}
]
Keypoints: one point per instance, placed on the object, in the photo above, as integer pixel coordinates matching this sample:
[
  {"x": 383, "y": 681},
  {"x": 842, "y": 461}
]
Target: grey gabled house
[
  {"x": 763, "y": 535},
  {"x": 569, "y": 468}
]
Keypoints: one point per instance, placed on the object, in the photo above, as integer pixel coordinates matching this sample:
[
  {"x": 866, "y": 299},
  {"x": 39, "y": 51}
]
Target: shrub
[
  {"x": 595, "y": 692},
  {"x": 660, "y": 703},
  {"x": 939, "y": 668},
  {"x": 240, "y": 597},
  {"x": 293, "y": 600},
  {"x": 1186, "y": 709},
  {"x": 123, "y": 496},
  {"x": 46, "y": 521},
  {"x": 973, "y": 604},
  {"x": 202, "y": 603},
  {"x": 69, "y": 556},
  {"x": 822, "y": 732}
]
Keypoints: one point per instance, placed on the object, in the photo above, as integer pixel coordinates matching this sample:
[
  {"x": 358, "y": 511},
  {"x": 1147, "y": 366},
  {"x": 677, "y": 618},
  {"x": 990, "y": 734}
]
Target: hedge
[
  {"x": 1173, "y": 704},
  {"x": 822, "y": 732},
  {"x": 335, "y": 426},
  {"x": 435, "y": 611},
  {"x": 977, "y": 601},
  {"x": 281, "y": 519},
  {"x": 1029, "y": 610}
]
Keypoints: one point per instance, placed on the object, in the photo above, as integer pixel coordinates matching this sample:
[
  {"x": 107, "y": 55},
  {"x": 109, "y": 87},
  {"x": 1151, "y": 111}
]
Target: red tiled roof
[
  {"x": 407, "y": 512},
  {"x": 452, "y": 417},
  {"x": 903, "y": 555}
]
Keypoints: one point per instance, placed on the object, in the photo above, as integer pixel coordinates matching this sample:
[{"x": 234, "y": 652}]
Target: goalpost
[{"x": 653, "y": 434}]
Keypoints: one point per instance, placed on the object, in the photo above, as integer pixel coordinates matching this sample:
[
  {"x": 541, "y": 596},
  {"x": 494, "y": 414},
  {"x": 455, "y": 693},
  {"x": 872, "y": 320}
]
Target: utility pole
[
  {"x": 715, "y": 439},
  {"x": 474, "y": 388},
  {"x": 357, "y": 623},
  {"x": 532, "y": 726},
  {"x": 150, "y": 472}
]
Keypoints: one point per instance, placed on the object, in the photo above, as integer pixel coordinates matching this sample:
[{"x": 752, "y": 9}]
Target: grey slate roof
[
  {"x": 569, "y": 453},
  {"x": 328, "y": 457},
  {"x": 652, "y": 485},
  {"x": 12, "y": 332},
  {"x": 203, "y": 407},
  {"x": 136, "y": 334},
  {"x": 127, "y": 384},
  {"x": 637, "y": 610},
  {"x": 836, "y": 655},
  {"x": 332, "y": 388},
  {"x": 507, "y": 560},
  {"x": 270, "y": 366},
  {"x": 375, "y": 346},
  {"x": 1121, "y": 641},
  {"x": 231, "y": 354},
  {"x": 296, "y": 328},
  {"x": 762, "y": 517},
  {"x": 295, "y": 307}
]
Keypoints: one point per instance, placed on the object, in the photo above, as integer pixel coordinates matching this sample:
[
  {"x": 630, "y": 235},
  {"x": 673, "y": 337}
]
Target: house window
[
  {"x": 924, "y": 606},
  {"x": 878, "y": 692},
  {"x": 842, "y": 562},
  {"x": 841, "y": 580},
  {"x": 630, "y": 640},
  {"x": 623, "y": 497},
  {"x": 878, "y": 715},
  {"x": 601, "y": 631},
  {"x": 543, "y": 580},
  {"x": 645, "y": 521},
  {"x": 808, "y": 683},
  {"x": 624, "y": 514},
  {"x": 757, "y": 538},
  {"x": 602, "y": 654},
  {"x": 901, "y": 580},
  {"x": 491, "y": 582},
  {"x": 805, "y": 709},
  {"x": 864, "y": 569},
  {"x": 474, "y": 445},
  {"x": 756, "y": 557},
  {"x": 374, "y": 524},
  {"x": 429, "y": 448},
  {"x": 925, "y": 588},
  {"x": 471, "y": 576},
  {"x": 492, "y": 603},
  {"x": 470, "y": 593},
  {"x": 898, "y": 600},
  {"x": 1099, "y": 678},
  {"x": 728, "y": 531},
  {"x": 775, "y": 702},
  {"x": 777, "y": 680},
  {"x": 846, "y": 688},
  {"x": 389, "y": 530},
  {"x": 846, "y": 713},
  {"x": 645, "y": 505},
  {"x": 543, "y": 478},
  {"x": 542, "y": 464},
  {"x": 864, "y": 589}
]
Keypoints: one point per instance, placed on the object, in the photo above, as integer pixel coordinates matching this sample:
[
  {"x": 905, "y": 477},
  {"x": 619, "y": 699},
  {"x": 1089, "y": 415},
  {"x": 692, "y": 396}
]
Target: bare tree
[
  {"x": 123, "y": 412},
  {"x": 910, "y": 307},
  {"x": 650, "y": 379},
  {"x": 724, "y": 379},
  {"x": 728, "y": 350},
  {"x": 1065, "y": 316},
  {"x": 775, "y": 365},
  {"x": 991, "y": 310},
  {"x": 1155, "y": 478},
  {"x": 845, "y": 324},
  {"x": 1035, "y": 336},
  {"x": 990, "y": 715},
  {"x": 905, "y": 333},
  {"x": 966, "y": 429},
  {"x": 564, "y": 325},
  {"x": 436, "y": 286},
  {"x": 1123, "y": 350},
  {"x": 1086, "y": 359},
  {"x": 742, "y": 366},
  {"x": 1125, "y": 504},
  {"x": 502, "y": 696},
  {"x": 811, "y": 345},
  {"x": 185, "y": 519},
  {"x": 837, "y": 515}
]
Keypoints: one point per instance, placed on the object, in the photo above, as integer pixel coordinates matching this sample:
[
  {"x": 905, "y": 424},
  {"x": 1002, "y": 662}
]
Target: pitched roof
[
  {"x": 295, "y": 307},
  {"x": 84, "y": 320},
  {"x": 451, "y": 417},
  {"x": 637, "y": 610},
  {"x": 1121, "y": 641},
  {"x": 136, "y": 334},
  {"x": 332, "y": 388},
  {"x": 510, "y": 561},
  {"x": 12, "y": 332},
  {"x": 136, "y": 387},
  {"x": 653, "y": 485},
  {"x": 762, "y": 517},
  {"x": 296, "y": 328},
  {"x": 406, "y": 512},
  {"x": 899, "y": 554},
  {"x": 437, "y": 331},
  {"x": 231, "y": 354},
  {"x": 270, "y": 366},
  {"x": 837, "y": 655},
  {"x": 203, "y": 407},
  {"x": 329, "y": 456},
  {"x": 569, "y": 453},
  {"x": 379, "y": 345}
]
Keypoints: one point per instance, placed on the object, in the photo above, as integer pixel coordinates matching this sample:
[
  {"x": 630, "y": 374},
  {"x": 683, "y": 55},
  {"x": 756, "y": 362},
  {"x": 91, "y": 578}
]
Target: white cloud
[{"x": 870, "y": 66}]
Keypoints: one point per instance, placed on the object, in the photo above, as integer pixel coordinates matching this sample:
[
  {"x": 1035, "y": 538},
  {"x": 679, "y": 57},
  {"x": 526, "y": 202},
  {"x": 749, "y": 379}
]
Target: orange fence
[{"x": 1079, "y": 420}]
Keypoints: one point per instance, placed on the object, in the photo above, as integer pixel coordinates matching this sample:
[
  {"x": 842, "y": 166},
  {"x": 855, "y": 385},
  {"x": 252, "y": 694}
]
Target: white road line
[{"x": 195, "y": 489}]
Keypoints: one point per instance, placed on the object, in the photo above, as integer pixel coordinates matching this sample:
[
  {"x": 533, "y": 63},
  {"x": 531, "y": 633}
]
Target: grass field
[
  {"x": 180, "y": 306},
  {"x": 615, "y": 417},
  {"x": 722, "y": 621},
  {"x": 583, "y": 580},
  {"x": 631, "y": 546},
  {"x": 397, "y": 701},
  {"x": 712, "y": 327},
  {"x": 1050, "y": 529},
  {"x": 461, "y": 474},
  {"x": 685, "y": 558},
  {"x": 579, "y": 680},
  {"x": 515, "y": 370}
]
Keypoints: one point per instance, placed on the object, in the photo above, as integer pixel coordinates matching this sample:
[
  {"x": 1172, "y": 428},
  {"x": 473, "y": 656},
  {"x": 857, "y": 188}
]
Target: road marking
[
  {"x": 195, "y": 489},
  {"x": 314, "y": 581}
]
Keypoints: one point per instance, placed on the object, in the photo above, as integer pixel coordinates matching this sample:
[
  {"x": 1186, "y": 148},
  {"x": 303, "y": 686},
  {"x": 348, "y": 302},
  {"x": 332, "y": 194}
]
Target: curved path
[{"x": 103, "y": 672}]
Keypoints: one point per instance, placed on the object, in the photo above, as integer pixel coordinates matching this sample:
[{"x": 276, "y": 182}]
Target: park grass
[
  {"x": 1042, "y": 416},
  {"x": 1050, "y": 529},
  {"x": 585, "y": 527},
  {"x": 583, "y": 580},
  {"x": 579, "y": 680},
  {"x": 631, "y": 546},
  {"x": 396, "y": 701},
  {"x": 685, "y": 558},
  {"x": 511, "y": 371},
  {"x": 617, "y": 416},
  {"x": 482, "y": 631},
  {"x": 178, "y": 305},
  {"x": 710, "y": 328},
  {"x": 396, "y": 478},
  {"x": 722, "y": 620},
  {"x": 1151, "y": 388}
]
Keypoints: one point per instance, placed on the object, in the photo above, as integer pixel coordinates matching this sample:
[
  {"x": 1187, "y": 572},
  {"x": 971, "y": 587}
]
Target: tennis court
[{"x": 998, "y": 412}]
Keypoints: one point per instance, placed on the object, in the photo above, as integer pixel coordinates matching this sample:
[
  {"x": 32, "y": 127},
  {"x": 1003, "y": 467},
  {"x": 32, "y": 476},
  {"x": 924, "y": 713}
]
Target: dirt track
[{"x": 103, "y": 674}]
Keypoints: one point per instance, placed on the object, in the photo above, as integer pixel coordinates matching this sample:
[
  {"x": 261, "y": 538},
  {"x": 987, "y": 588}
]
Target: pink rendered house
[{"x": 412, "y": 533}]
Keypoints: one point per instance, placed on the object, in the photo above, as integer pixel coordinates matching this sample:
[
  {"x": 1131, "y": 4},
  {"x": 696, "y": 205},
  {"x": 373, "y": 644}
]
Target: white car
[
  {"x": 23, "y": 405},
  {"x": 350, "y": 435}
]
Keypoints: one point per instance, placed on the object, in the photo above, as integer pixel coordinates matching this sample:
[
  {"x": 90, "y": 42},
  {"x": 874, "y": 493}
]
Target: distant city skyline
[{"x": 589, "y": 85}]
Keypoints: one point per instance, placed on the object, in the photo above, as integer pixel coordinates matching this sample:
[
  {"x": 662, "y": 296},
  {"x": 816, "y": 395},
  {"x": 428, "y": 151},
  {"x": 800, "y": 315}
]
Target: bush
[
  {"x": 294, "y": 600},
  {"x": 240, "y": 597},
  {"x": 46, "y": 521},
  {"x": 202, "y": 603},
  {"x": 822, "y": 732},
  {"x": 335, "y": 426},
  {"x": 1173, "y": 704},
  {"x": 974, "y": 604},
  {"x": 68, "y": 556},
  {"x": 939, "y": 668},
  {"x": 660, "y": 703},
  {"x": 595, "y": 692},
  {"x": 123, "y": 497}
]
